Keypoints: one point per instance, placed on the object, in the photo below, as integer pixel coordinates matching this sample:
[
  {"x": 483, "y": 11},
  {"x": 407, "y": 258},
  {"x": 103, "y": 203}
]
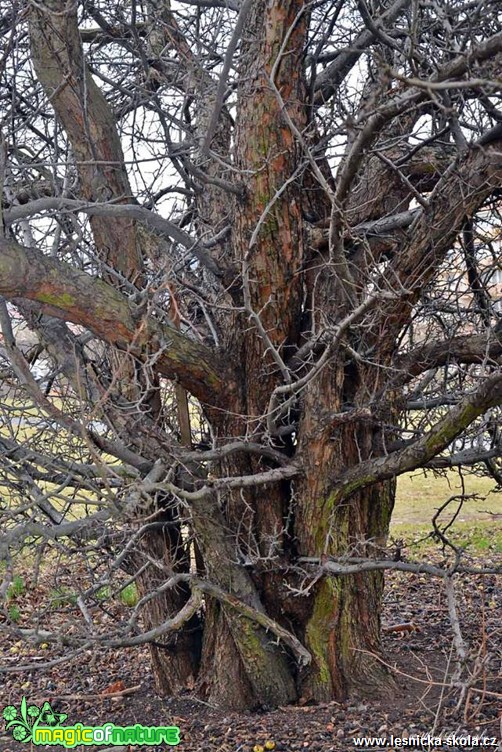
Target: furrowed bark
[{"x": 268, "y": 247}]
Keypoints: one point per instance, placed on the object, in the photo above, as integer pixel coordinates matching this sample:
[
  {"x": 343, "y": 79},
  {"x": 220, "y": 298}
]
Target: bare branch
[
  {"x": 75, "y": 296},
  {"x": 487, "y": 395},
  {"x": 151, "y": 220},
  {"x": 330, "y": 79},
  {"x": 351, "y": 565}
]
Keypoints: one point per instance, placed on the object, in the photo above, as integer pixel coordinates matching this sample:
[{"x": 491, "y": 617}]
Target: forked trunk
[{"x": 338, "y": 618}]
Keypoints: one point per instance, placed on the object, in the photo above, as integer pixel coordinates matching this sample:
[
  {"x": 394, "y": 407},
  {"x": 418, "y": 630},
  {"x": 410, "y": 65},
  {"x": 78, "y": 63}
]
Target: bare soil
[{"x": 419, "y": 655}]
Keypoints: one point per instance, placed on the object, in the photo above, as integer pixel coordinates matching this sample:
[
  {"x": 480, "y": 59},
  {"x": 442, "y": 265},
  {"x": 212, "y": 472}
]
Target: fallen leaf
[{"x": 117, "y": 686}]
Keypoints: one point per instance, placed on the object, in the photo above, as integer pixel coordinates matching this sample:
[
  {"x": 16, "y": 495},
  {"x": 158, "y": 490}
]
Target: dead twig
[{"x": 95, "y": 696}]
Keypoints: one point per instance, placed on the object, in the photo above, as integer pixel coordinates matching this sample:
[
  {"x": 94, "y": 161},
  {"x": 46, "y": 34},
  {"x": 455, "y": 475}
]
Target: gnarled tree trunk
[{"x": 277, "y": 300}]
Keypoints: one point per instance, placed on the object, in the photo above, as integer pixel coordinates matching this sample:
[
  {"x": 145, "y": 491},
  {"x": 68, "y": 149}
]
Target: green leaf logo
[{"x": 21, "y": 723}]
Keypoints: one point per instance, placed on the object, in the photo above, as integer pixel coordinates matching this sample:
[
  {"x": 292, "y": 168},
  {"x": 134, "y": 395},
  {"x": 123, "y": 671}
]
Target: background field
[{"x": 479, "y": 522}]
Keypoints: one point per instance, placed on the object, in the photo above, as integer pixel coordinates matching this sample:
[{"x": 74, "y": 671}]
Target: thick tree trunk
[
  {"x": 339, "y": 619},
  {"x": 175, "y": 660},
  {"x": 341, "y": 623},
  {"x": 242, "y": 665}
]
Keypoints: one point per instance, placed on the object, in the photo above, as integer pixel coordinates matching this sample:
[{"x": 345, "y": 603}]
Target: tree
[{"x": 256, "y": 245}]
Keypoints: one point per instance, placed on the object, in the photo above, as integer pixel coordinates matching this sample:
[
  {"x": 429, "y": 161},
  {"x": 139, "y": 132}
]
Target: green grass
[
  {"x": 474, "y": 537},
  {"x": 14, "y": 613},
  {"x": 129, "y": 595},
  {"x": 102, "y": 594},
  {"x": 62, "y": 597},
  {"x": 419, "y": 496},
  {"x": 16, "y": 589}
]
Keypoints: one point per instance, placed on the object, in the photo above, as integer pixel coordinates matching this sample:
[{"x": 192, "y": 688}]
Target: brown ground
[{"x": 419, "y": 660}]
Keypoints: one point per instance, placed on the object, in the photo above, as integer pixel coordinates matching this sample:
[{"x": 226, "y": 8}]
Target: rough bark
[
  {"x": 341, "y": 619},
  {"x": 268, "y": 247}
]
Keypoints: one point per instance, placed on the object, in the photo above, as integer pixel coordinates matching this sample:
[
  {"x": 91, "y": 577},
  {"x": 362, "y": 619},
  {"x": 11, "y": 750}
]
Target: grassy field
[{"x": 479, "y": 522}]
